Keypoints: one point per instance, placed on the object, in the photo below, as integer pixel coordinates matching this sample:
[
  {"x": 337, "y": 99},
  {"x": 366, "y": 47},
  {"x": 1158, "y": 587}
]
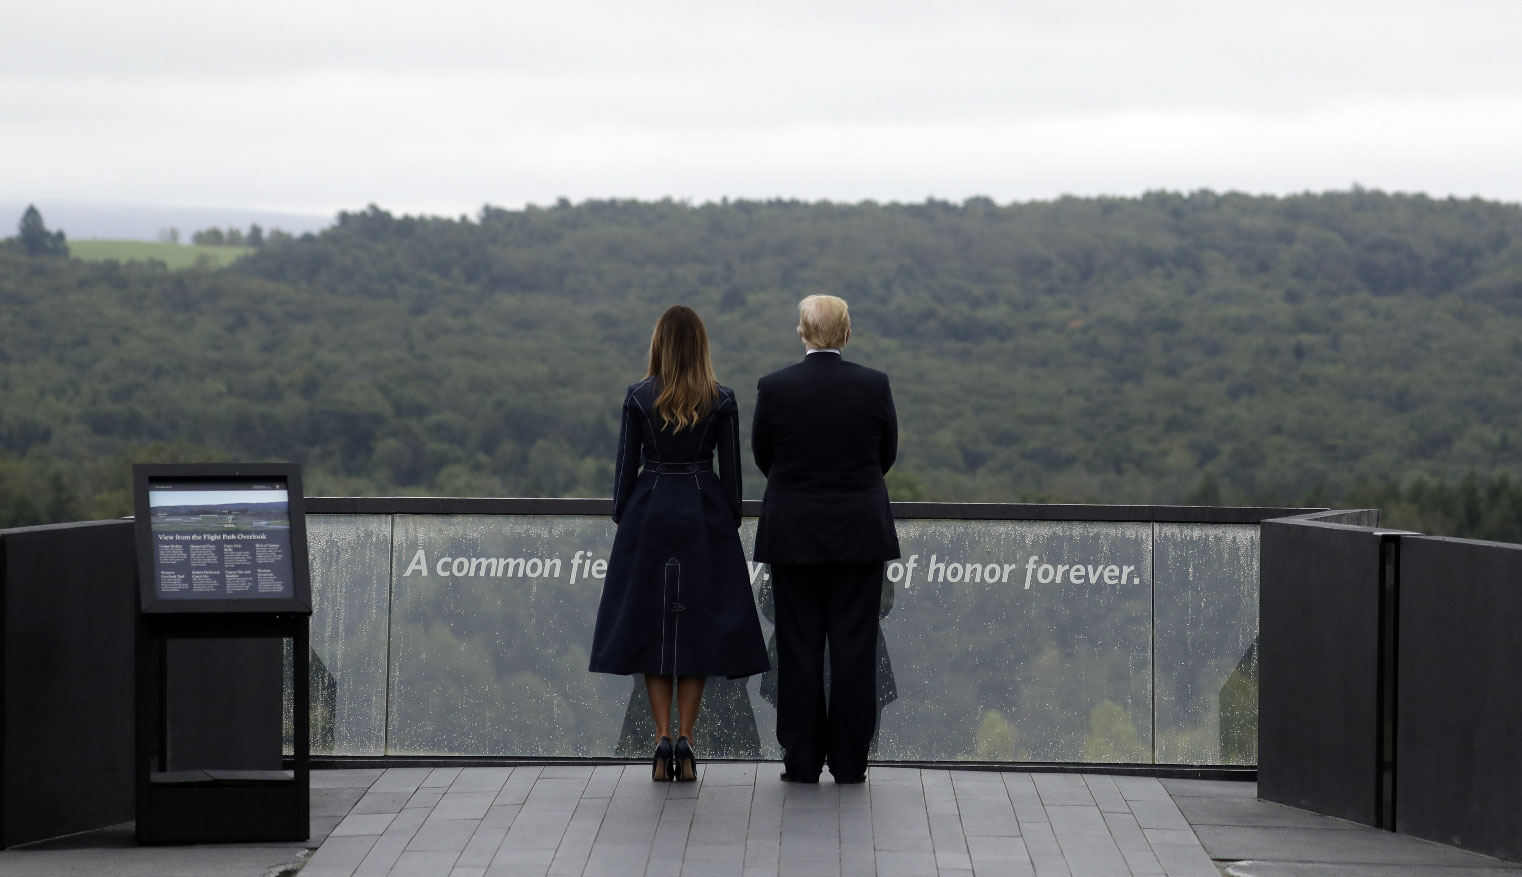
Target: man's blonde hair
[{"x": 823, "y": 321}]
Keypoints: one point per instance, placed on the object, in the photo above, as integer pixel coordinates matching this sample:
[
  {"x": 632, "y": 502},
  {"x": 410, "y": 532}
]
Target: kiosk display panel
[{"x": 221, "y": 538}]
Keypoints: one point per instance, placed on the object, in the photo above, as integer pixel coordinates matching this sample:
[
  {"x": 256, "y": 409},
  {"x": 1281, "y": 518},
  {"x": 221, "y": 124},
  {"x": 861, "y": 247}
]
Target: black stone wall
[
  {"x": 1318, "y": 705},
  {"x": 66, "y": 740},
  {"x": 1391, "y": 681},
  {"x": 1459, "y": 694}
]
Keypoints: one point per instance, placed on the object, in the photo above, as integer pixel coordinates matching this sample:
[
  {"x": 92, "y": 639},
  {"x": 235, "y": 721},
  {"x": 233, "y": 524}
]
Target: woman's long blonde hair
[{"x": 679, "y": 358}]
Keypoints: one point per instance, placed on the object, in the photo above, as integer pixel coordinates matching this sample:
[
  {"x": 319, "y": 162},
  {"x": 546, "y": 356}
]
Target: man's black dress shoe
[
  {"x": 850, "y": 781},
  {"x": 797, "y": 778}
]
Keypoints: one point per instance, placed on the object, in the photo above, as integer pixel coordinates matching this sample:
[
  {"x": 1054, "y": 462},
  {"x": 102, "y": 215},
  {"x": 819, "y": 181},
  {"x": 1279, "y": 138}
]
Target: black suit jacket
[{"x": 825, "y": 432}]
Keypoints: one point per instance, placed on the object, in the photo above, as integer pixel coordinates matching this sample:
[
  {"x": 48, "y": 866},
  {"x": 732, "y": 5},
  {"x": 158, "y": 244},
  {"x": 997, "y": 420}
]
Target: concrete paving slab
[
  {"x": 501, "y": 816},
  {"x": 576, "y": 844},
  {"x": 1044, "y": 851},
  {"x": 529, "y": 871},
  {"x": 524, "y": 871},
  {"x": 886, "y": 775},
  {"x": 337, "y": 779},
  {"x": 1001, "y": 856},
  {"x": 1058, "y": 789},
  {"x": 1186, "y": 788},
  {"x": 462, "y": 805},
  {"x": 985, "y": 808},
  {"x": 1361, "y": 846},
  {"x": 1085, "y": 841},
  {"x": 441, "y": 777},
  {"x": 607, "y": 857},
  {"x": 424, "y": 864},
  {"x": 1254, "y": 812},
  {"x": 1158, "y": 814},
  {"x": 905, "y": 863},
  {"x": 364, "y": 823},
  {"x": 334, "y": 801},
  {"x": 720, "y": 853},
  {"x": 1024, "y": 797},
  {"x": 446, "y": 836},
  {"x": 381, "y": 802},
  {"x": 526, "y": 856},
  {"x": 480, "y": 779},
  {"x": 1135, "y": 788},
  {"x": 1170, "y": 837},
  {"x": 482, "y": 847},
  {"x": 1184, "y": 860},
  {"x": 339, "y": 855},
  {"x": 728, "y": 773},
  {"x": 567, "y": 772},
  {"x": 537, "y": 829},
  {"x": 319, "y": 827},
  {"x": 398, "y": 779},
  {"x": 383, "y": 855},
  {"x": 710, "y": 869},
  {"x": 1343, "y": 869},
  {"x": 408, "y": 821},
  {"x": 1106, "y": 794},
  {"x": 603, "y": 781},
  {"x": 558, "y": 793},
  {"x": 1143, "y": 862},
  {"x": 427, "y": 797}
]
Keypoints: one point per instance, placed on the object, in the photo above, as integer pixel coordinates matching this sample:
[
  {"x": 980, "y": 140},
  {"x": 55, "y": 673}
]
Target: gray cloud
[{"x": 442, "y": 106}]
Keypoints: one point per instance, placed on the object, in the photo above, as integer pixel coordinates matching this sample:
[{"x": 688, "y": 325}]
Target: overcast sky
[{"x": 321, "y": 105}]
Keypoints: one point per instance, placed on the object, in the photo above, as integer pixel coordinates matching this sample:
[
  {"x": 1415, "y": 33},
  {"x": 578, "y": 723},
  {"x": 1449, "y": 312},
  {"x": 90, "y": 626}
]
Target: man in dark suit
[{"x": 825, "y": 433}]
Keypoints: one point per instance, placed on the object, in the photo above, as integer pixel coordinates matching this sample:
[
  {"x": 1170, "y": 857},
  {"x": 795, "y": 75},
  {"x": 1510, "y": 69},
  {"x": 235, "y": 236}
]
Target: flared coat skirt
[{"x": 677, "y": 598}]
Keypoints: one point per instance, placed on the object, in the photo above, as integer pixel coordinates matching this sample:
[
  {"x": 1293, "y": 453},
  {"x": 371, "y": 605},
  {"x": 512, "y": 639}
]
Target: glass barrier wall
[
  {"x": 1038, "y": 641},
  {"x": 1205, "y": 617}
]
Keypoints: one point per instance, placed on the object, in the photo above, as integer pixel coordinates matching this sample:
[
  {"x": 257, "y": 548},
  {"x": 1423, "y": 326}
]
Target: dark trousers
[{"x": 817, "y": 606}]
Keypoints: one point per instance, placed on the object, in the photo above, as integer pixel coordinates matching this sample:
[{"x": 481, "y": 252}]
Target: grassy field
[{"x": 173, "y": 255}]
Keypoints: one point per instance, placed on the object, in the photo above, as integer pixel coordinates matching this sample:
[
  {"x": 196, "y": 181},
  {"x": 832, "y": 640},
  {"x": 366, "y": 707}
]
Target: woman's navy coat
[{"x": 677, "y": 598}]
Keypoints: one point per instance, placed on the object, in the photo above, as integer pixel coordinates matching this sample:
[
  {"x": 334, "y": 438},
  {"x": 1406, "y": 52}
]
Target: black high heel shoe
[
  {"x": 662, "y": 767},
  {"x": 686, "y": 761}
]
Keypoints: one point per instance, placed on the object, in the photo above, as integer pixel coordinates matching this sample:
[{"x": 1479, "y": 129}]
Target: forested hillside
[{"x": 1351, "y": 346}]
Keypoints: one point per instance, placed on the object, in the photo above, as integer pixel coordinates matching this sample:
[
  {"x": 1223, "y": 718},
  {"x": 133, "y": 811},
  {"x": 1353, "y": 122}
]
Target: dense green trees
[
  {"x": 234, "y": 237},
  {"x": 217, "y": 237},
  {"x": 34, "y": 239},
  {"x": 1169, "y": 348}
]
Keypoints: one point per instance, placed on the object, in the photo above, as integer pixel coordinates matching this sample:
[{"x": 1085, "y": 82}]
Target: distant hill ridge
[
  {"x": 143, "y": 222},
  {"x": 1167, "y": 348}
]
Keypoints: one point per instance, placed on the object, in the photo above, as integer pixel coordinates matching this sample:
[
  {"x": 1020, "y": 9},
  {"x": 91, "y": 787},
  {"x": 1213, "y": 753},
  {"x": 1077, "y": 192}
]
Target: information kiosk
[{"x": 221, "y": 553}]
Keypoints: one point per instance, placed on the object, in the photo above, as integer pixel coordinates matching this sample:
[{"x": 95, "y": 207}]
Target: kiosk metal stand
[{"x": 221, "y": 554}]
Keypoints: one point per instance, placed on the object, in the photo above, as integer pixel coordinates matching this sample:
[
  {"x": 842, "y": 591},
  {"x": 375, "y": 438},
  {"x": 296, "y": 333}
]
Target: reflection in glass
[
  {"x": 491, "y": 620},
  {"x": 1001, "y": 641},
  {"x": 491, "y": 623},
  {"x": 1207, "y": 629},
  {"x": 1239, "y": 711},
  {"x": 989, "y": 669}
]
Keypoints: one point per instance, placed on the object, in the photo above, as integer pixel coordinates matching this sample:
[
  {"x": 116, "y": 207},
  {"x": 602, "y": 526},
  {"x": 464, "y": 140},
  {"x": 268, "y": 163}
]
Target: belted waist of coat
[{"x": 688, "y": 468}]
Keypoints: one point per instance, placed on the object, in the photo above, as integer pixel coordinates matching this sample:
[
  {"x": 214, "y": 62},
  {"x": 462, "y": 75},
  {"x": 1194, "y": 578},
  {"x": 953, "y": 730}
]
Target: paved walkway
[{"x": 740, "y": 820}]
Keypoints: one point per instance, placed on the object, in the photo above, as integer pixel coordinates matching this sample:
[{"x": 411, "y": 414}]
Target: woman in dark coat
[{"x": 676, "y": 602}]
